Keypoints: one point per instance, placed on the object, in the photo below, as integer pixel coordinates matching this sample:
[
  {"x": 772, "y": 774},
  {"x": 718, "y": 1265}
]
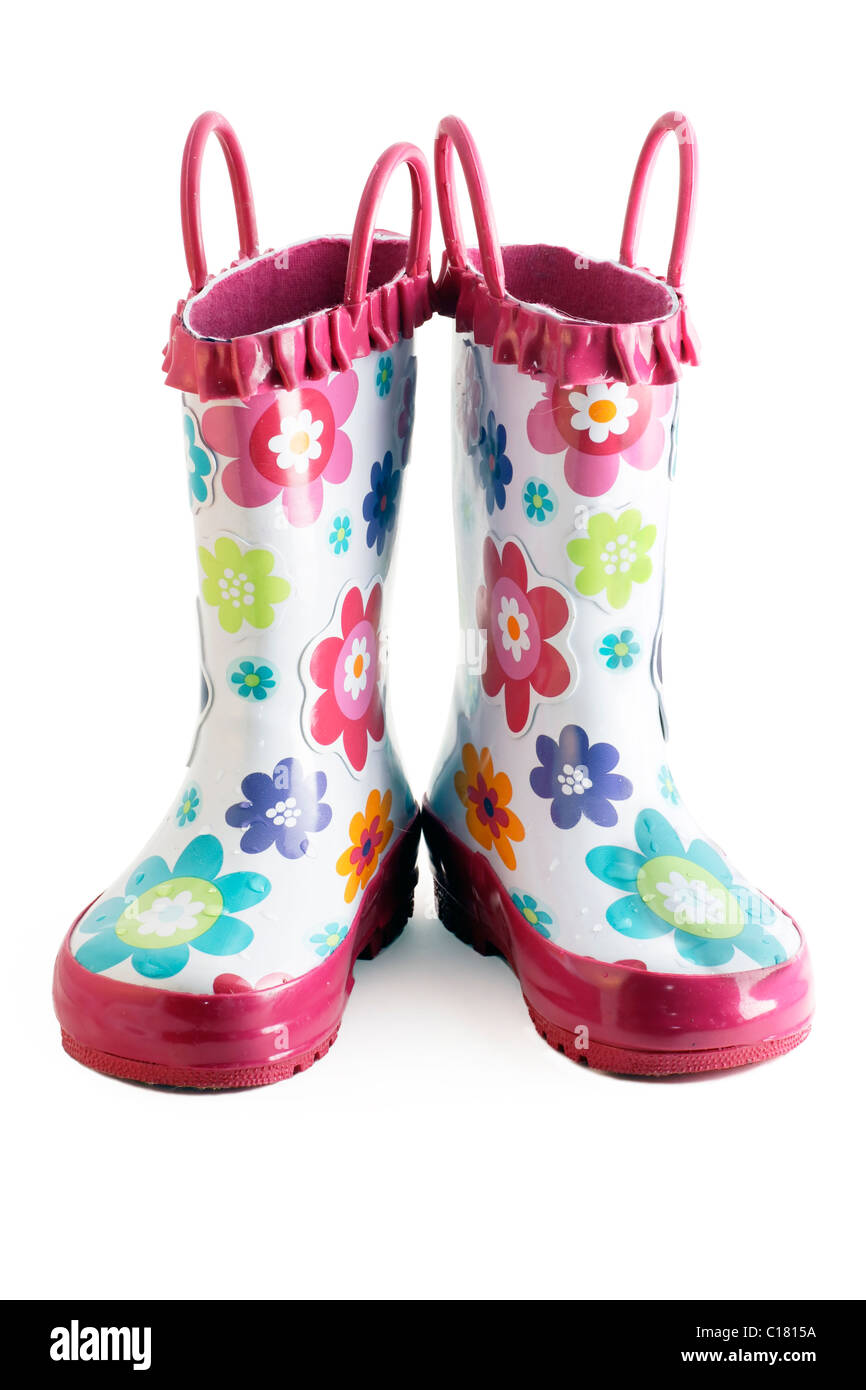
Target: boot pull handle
[
  {"x": 211, "y": 122},
  {"x": 672, "y": 121},
  {"x": 453, "y": 135},
  {"x": 361, "y": 247}
]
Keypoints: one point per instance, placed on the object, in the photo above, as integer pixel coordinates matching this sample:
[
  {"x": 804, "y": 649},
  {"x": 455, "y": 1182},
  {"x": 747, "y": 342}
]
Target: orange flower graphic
[
  {"x": 486, "y": 794},
  {"x": 369, "y": 832}
]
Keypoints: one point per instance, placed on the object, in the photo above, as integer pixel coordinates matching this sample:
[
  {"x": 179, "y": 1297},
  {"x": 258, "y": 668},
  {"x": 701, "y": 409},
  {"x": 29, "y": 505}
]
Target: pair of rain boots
[{"x": 223, "y": 956}]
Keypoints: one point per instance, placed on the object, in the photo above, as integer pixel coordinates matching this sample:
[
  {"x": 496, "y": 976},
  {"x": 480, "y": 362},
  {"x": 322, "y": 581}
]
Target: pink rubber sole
[
  {"x": 230, "y": 1040},
  {"x": 616, "y": 1018},
  {"x": 626, "y": 1062}
]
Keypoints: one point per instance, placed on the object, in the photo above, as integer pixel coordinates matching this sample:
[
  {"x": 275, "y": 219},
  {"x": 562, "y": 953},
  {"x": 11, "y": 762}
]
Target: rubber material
[
  {"x": 614, "y": 1017},
  {"x": 230, "y": 1040}
]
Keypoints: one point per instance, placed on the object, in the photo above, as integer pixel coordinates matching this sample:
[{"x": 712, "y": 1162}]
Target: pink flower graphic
[
  {"x": 599, "y": 426},
  {"x": 519, "y": 621},
  {"x": 285, "y": 443},
  {"x": 346, "y": 668}
]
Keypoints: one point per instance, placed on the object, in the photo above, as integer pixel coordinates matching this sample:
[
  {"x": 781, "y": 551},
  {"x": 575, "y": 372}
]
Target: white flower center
[
  {"x": 513, "y": 627},
  {"x": 297, "y": 445},
  {"x": 165, "y": 916},
  {"x": 574, "y": 781},
  {"x": 355, "y": 668},
  {"x": 619, "y": 555},
  {"x": 691, "y": 901},
  {"x": 284, "y": 813},
  {"x": 602, "y": 410},
  {"x": 236, "y": 589}
]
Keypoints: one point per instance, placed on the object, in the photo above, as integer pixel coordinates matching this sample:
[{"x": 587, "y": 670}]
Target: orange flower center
[
  {"x": 513, "y": 628},
  {"x": 299, "y": 442},
  {"x": 358, "y": 666},
  {"x": 602, "y": 412}
]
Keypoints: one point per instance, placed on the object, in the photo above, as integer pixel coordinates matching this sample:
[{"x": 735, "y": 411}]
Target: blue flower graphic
[
  {"x": 329, "y": 938},
  {"x": 166, "y": 911},
  {"x": 380, "y": 504},
  {"x": 341, "y": 532},
  {"x": 494, "y": 465},
  {"x": 252, "y": 680},
  {"x": 690, "y": 892},
  {"x": 198, "y": 462},
  {"x": 281, "y": 810},
  {"x": 578, "y": 778},
  {"x": 618, "y": 650},
  {"x": 384, "y": 375},
  {"x": 188, "y": 808}
]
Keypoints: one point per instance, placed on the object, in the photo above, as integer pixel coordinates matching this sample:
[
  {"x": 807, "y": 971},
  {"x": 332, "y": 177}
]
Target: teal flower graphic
[
  {"x": 538, "y": 917},
  {"x": 690, "y": 892},
  {"x": 667, "y": 786},
  {"x": 198, "y": 462},
  {"x": 252, "y": 680},
  {"x": 384, "y": 375},
  {"x": 165, "y": 912},
  {"x": 539, "y": 502},
  {"x": 329, "y": 938},
  {"x": 618, "y": 650},
  {"x": 188, "y": 808},
  {"x": 341, "y": 533}
]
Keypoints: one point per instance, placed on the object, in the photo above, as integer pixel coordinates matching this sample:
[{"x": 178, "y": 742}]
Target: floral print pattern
[
  {"x": 690, "y": 892},
  {"x": 369, "y": 833},
  {"x": 199, "y": 463},
  {"x": 188, "y": 808},
  {"x": 165, "y": 912},
  {"x": 240, "y": 584},
  {"x": 577, "y": 778},
  {"x": 285, "y": 444},
  {"x": 618, "y": 651},
  {"x": 538, "y": 917},
  {"x": 341, "y": 534},
  {"x": 486, "y": 795},
  {"x": 329, "y": 938},
  {"x": 345, "y": 667},
  {"x": 380, "y": 504},
  {"x": 521, "y": 620},
  {"x": 494, "y": 465},
  {"x": 468, "y": 397},
  {"x": 252, "y": 680},
  {"x": 539, "y": 503},
  {"x": 667, "y": 786},
  {"x": 384, "y": 376},
  {"x": 613, "y": 556},
  {"x": 406, "y": 410},
  {"x": 600, "y": 426},
  {"x": 281, "y": 810}
]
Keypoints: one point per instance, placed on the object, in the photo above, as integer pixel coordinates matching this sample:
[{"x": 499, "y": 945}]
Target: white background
[{"x": 441, "y": 1150}]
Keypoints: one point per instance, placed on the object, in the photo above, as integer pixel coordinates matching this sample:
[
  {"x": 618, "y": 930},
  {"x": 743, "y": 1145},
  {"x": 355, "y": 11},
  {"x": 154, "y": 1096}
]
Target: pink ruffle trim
[
  {"x": 540, "y": 341},
  {"x": 326, "y": 341}
]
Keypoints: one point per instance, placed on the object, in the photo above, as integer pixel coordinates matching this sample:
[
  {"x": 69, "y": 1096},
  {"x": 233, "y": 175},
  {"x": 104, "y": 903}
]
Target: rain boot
[
  {"x": 223, "y": 954},
  {"x": 557, "y": 834}
]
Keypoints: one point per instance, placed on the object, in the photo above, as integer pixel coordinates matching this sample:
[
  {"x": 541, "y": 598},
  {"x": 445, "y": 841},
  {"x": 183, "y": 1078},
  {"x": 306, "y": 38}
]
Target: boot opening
[
  {"x": 283, "y": 287},
  {"x": 571, "y": 286}
]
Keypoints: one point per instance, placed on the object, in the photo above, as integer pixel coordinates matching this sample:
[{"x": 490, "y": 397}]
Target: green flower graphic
[
  {"x": 613, "y": 556},
  {"x": 240, "y": 584}
]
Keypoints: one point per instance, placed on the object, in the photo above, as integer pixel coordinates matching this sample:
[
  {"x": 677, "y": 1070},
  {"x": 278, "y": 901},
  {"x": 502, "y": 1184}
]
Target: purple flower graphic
[
  {"x": 577, "y": 778},
  {"x": 282, "y": 810}
]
